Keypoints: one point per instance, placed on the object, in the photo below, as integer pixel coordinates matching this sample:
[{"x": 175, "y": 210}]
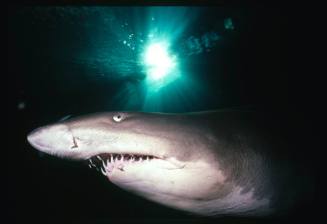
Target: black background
[{"x": 270, "y": 64}]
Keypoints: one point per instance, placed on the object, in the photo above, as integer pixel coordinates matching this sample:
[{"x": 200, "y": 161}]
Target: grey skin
[{"x": 208, "y": 163}]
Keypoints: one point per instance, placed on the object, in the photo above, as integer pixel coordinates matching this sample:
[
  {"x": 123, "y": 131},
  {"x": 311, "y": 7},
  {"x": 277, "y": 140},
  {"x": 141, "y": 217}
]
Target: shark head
[{"x": 161, "y": 157}]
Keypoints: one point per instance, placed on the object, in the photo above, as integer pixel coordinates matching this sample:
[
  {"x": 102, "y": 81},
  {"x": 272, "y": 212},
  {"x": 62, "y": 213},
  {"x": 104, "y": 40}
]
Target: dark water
[{"x": 76, "y": 60}]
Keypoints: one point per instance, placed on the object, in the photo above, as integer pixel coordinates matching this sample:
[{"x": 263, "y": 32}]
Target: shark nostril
[{"x": 75, "y": 144}]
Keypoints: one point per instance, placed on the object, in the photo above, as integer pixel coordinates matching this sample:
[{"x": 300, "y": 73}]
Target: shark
[{"x": 208, "y": 163}]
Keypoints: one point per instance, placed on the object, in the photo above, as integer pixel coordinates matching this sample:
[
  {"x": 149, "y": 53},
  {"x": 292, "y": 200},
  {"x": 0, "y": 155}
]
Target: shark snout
[
  {"x": 33, "y": 139},
  {"x": 50, "y": 138}
]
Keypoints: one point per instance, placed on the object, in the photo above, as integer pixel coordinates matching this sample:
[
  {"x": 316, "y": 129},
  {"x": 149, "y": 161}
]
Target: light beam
[{"x": 159, "y": 63}]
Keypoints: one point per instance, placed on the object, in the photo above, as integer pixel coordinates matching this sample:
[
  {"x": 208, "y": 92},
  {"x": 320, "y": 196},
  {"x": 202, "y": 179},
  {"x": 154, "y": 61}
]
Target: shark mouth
[{"x": 106, "y": 163}]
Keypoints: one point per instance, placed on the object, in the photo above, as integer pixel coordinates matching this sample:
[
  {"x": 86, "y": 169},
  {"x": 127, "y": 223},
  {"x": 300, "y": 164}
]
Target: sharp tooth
[
  {"x": 103, "y": 172},
  {"x": 90, "y": 165},
  {"x": 132, "y": 158},
  {"x": 103, "y": 164},
  {"x": 99, "y": 157},
  {"x": 121, "y": 157},
  {"x": 140, "y": 159},
  {"x": 111, "y": 158},
  {"x": 147, "y": 158}
]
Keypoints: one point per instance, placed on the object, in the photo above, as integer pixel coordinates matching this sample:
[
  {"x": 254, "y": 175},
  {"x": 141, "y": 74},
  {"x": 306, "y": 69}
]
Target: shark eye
[{"x": 117, "y": 117}]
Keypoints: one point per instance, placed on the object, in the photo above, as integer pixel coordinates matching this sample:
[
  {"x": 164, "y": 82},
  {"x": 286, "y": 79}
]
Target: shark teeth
[{"x": 106, "y": 163}]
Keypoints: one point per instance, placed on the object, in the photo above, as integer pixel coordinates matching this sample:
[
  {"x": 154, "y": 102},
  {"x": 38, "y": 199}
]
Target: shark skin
[{"x": 208, "y": 163}]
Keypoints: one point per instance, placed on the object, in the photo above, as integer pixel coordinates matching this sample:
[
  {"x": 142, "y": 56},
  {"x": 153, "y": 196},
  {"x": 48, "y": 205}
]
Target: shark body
[{"x": 207, "y": 163}]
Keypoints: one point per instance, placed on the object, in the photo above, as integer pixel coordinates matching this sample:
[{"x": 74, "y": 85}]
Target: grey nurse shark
[{"x": 207, "y": 163}]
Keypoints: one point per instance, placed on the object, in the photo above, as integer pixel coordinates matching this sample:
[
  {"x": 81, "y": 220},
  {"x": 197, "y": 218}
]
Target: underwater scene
[{"x": 165, "y": 69}]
